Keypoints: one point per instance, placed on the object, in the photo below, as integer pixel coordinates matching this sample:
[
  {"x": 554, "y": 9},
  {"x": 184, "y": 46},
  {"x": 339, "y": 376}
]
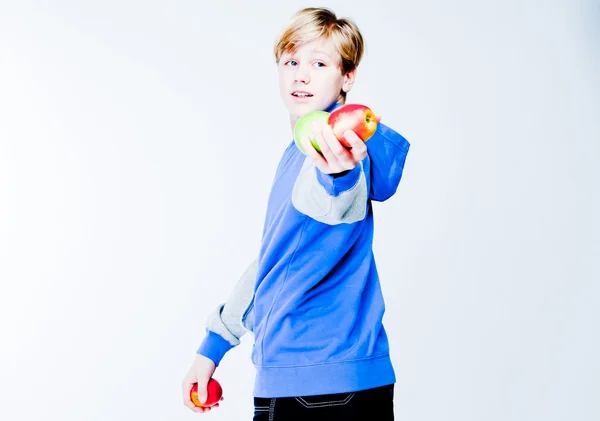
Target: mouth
[{"x": 301, "y": 94}]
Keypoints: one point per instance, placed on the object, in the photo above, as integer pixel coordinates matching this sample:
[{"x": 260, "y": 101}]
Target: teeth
[{"x": 301, "y": 94}]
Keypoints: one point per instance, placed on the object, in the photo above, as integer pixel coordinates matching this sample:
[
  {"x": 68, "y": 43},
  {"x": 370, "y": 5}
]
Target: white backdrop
[{"x": 138, "y": 141}]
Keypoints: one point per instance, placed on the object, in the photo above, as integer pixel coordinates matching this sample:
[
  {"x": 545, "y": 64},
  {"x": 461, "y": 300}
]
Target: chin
[{"x": 301, "y": 109}]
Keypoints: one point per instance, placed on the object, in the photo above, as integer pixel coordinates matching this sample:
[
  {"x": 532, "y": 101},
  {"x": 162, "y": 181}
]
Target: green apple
[{"x": 303, "y": 128}]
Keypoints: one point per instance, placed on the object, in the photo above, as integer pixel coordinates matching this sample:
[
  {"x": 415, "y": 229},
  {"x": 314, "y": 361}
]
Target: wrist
[
  {"x": 340, "y": 174},
  {"x": 334, "y": 184}
]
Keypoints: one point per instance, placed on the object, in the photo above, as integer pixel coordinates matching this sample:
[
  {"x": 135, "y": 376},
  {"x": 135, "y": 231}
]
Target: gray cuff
[{"x": 310, "y": 198}]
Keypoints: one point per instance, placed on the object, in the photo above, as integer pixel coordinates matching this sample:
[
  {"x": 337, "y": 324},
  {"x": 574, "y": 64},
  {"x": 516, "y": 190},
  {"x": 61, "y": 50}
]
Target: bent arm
[{"x": 226, "y": 325}]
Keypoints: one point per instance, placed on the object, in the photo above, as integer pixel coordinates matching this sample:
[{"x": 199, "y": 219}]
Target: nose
[{"x": 302, "y": 75}]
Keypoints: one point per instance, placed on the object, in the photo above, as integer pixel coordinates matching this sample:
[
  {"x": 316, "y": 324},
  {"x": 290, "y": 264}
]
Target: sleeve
[
  {"x": 331, "y": 199},
  {"x": 344, "y": 199},
  {"x": 387, "y": 152},
  {"x": 226, "y": 325}
]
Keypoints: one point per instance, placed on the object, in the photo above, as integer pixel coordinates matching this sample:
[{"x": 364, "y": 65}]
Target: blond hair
[{"x": 313, "y": 23}]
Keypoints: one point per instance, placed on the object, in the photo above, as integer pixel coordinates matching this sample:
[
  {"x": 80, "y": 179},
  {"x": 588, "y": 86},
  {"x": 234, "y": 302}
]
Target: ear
[{"x": 349, "y": 80}]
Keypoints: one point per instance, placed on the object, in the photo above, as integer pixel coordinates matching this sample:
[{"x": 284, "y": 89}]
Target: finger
[
  {"x": 186, "y": 386},
  {"x": 316, "y": 133},
  {"x": 315, "y": 156},
  {"x": 358, "y": 147},
  {"x": 341, "y": 153},
  {"x": 199, "y": 408},
  {"x": 191, "y": 405},
  {"x": 195, "y": 408},
  {"x": 202, "y": 394},
  {"x": 333, "y": 163},
  {"x": 377, "y": 116},
  {"x": 318, "y": 136},
  {"x": 308, "y": 146}
]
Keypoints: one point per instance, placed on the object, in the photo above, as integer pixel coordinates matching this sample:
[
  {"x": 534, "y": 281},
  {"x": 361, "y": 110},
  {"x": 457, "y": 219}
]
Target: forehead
[{"x": 321, "y": 45}]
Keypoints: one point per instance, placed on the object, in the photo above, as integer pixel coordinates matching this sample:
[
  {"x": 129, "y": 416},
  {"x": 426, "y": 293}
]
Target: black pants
[{"x": 375, "y": 404}]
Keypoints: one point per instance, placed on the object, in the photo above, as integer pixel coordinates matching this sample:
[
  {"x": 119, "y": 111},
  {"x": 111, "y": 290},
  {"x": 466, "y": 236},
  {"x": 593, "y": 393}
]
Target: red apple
[
  {"x": 358, "y": 118},
  {"x": 214, "y": 394}
]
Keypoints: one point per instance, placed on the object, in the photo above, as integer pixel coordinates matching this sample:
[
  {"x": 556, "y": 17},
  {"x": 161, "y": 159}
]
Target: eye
[
  {"x": 320, "y": 62},
  {"x": 291, "y": 63}
]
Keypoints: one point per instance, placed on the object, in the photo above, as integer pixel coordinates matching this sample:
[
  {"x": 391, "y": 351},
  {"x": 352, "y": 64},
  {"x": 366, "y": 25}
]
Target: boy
[{"x": 312, "y": 297}]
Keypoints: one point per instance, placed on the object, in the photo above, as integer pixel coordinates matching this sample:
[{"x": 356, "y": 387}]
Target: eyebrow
[
  {"x": 322, "y": 52},
  {"x": 288, "y": 53}
]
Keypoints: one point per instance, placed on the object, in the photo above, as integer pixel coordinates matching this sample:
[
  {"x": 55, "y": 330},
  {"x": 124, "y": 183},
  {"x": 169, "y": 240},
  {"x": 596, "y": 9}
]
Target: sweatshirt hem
[{"x": 326, "y": 378}]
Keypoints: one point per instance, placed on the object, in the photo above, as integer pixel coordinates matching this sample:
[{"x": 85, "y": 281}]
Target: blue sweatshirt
[{"x": 313, "y": 298}]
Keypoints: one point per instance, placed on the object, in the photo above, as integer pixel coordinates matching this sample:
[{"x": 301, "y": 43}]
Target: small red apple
[
  {"x": 358, "y": 118},
  {"x": 214, "y": 394}
]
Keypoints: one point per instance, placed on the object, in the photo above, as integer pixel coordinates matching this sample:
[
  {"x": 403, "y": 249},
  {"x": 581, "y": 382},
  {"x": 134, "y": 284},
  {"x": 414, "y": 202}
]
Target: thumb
[{"x": 202, "y": 391}]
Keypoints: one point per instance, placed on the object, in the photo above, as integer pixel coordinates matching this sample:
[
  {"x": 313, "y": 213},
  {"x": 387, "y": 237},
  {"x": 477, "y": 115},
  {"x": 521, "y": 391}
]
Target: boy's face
[{"x": 314, "y": 69}]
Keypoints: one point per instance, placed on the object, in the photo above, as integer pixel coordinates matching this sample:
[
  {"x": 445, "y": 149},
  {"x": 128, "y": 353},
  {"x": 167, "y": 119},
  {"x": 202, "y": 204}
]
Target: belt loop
[{"x": 272, "y": 409}]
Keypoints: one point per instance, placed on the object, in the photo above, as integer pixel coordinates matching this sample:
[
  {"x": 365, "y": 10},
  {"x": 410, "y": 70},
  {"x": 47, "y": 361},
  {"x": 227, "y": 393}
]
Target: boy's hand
[
  {"x": 336, "y": 158},
  {"x": 201, "y": 370}
]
